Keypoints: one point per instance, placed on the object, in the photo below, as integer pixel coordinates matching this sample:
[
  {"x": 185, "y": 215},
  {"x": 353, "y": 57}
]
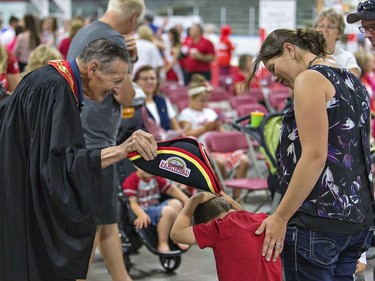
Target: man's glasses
[
  {"x": 368, "y": 5},
  {"x": 370, "y": 28}
]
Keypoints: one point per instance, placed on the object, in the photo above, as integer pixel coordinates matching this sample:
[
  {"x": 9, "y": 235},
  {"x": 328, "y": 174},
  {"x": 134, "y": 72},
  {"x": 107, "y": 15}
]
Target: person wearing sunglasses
[
  {"x": 332, "y": 24},
  {"x": 366, "y": 14}
]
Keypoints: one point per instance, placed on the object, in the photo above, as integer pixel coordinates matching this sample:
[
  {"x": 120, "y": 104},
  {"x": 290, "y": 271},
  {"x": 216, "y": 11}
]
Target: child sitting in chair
[
  {"x": 144, "y": 192},
  {"x": 222, "y": 224}
]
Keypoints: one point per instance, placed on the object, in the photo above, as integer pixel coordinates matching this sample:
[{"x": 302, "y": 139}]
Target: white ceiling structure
[{"x": 65, "y": 6}]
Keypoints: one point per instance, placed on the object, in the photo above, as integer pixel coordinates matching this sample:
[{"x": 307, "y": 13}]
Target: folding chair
[
  {"x": 245, "y": 109},
  {"x": 225, "y": 81},
  {"x": 235, "y": 101},
  {"x": 182, "y": 104},
  {"x": 267, "y": 136},
  {"x": 275, "y": 99},
  {"x": 230, "y": 141},
  {"x": 256, "y": 93},
  {"x": 165, "y": 87},
  {"x": 177, "y": 94},
  {"x": 219, "y": 98}
]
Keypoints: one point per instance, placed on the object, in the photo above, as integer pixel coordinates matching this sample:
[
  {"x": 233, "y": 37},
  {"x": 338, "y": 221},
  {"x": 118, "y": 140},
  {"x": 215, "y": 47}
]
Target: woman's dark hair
[
  {"x": 31, "y": 25},
  {"x": 308, "y": 39},
  {"x": 142, "y": 69},
  {"x": 210, "y": 210},
  {"x": 176, "y": 37},
  {"x": 147, "y": 68}
]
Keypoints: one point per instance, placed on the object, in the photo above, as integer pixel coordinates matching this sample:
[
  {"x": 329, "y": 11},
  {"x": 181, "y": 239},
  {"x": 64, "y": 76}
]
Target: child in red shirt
[
  {"x": 144, "y": 191},
  {"x": 222, "y": 224}
]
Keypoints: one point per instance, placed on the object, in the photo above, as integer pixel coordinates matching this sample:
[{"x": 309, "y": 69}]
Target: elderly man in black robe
[{"x": 49, "y": 182}]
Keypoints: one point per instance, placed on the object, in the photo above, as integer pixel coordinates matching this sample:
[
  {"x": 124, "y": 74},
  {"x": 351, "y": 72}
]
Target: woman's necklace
[{"x": 312, "y": 61}]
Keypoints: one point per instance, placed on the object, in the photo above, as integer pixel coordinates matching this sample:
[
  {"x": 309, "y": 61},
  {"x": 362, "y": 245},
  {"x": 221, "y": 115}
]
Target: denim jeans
[{"x": 312, "y": 255}]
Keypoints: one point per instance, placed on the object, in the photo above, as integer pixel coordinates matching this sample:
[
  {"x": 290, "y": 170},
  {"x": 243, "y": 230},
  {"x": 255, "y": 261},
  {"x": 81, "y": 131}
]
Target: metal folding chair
[{"x": 230, "y": 141}]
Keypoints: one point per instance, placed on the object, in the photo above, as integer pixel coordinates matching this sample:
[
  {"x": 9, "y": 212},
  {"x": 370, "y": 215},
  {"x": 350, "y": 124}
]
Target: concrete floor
[{"x": 195, "y": 264}]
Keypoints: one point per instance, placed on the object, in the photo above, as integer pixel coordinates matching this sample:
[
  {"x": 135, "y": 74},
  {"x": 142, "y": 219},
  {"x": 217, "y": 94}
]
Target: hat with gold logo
[{"x": 183, "y": 160}]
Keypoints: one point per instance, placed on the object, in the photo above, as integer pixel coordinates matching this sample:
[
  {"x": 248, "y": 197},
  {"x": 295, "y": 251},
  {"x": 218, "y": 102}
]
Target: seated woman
[
  {"x": 159, "y": 108},
  {"x": 197, "y": 120}
]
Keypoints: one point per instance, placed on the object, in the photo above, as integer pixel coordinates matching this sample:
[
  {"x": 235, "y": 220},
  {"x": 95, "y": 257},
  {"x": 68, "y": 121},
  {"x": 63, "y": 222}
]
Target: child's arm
[
  {"x": 182, "y": 230},
  {"x": 361, "y": 263},
  {"x": 175, "y": 192},
  {"x": 142, "y": 220},
  {"x": 230, "y": 200}
]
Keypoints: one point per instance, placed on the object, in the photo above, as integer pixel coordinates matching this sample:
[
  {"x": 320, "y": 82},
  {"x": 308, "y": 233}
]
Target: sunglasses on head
[{"x": 368, "y": 5}]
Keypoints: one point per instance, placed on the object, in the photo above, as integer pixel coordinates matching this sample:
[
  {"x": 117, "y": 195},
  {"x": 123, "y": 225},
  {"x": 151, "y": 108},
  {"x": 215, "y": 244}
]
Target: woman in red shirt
[{"x": 9, "y": 70}]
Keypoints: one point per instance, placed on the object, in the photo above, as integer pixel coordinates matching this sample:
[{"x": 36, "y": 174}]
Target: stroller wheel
[
  {"x": 170, "y": 263},
  {"x": 127, "y": 262}
]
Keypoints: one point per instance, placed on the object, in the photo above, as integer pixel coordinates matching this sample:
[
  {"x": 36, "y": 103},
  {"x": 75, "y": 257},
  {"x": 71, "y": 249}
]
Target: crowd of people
[{"x": 66, "y": 88}]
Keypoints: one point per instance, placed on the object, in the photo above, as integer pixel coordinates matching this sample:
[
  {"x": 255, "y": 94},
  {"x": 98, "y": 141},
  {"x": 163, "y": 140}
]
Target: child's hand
[
  {"x": 210, "y": 126},
  {"x": 202, "y": 197},
  {"x": 360, "y": 267},
  {"x": 142, "y": 221},
  {"x": 235, "y": 205}
]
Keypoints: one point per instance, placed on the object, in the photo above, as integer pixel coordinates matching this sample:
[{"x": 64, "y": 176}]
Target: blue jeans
[
  {"x": 154, "y": 212},
  {"x": 312, "y": 255}
]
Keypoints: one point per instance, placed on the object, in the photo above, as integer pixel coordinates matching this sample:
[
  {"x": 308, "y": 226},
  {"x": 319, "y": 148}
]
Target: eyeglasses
[
  {"x": 321, "y": 26},
  {"x": 152, "y": 79},
  {"x": 367, "y": 5},
  {"x": 370, "y": 28}
]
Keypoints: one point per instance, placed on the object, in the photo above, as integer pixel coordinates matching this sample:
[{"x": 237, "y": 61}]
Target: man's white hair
[{"x": 127, "y": 8}]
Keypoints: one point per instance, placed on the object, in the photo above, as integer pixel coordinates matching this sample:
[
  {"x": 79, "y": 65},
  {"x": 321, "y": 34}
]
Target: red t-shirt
[
  {"x": 147, "y": 192},
  {"x": 12, "y": 68},
  {"x": 224, "y": 53},
  {"x": 64, "y": 46},
  {"x": 240, "y": 78},
  {"x": 203, "y": 46},
  {"x": 236, "y": 248}
]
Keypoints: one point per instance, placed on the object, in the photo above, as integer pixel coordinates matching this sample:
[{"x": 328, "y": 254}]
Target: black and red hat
[{"x": 183, "y": 160}]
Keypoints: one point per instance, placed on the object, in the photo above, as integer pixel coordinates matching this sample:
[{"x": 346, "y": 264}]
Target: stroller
[
  {"x": 132, "y": 239},
  {"x": 267, "y": 136}
]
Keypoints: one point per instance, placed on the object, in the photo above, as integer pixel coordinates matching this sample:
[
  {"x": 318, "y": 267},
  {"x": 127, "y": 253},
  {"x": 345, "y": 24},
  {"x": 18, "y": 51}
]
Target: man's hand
[
  {"x": 142, "y": 142},
  {"x": 131, "y": 46}
]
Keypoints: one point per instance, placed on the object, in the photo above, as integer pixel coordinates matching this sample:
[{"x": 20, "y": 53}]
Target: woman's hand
[{"x": 275, "y": 229}]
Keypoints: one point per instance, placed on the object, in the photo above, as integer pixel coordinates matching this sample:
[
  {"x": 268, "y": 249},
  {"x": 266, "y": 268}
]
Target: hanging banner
[{"x": 274, "y": 14}]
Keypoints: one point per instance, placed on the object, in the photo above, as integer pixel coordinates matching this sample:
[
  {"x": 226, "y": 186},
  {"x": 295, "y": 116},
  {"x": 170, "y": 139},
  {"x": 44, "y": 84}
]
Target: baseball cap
[
  {"x": 365, "y": 11},
  {"x": 183, "y": 160}
]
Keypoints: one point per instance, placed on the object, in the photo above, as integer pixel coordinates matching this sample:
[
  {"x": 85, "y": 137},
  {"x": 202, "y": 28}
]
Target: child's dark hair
[{"x": 210, "y": 210}]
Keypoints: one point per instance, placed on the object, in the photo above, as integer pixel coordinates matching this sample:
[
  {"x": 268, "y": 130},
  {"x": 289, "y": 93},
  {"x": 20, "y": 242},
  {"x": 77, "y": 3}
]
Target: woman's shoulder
[{"x": 314, "y": 76}]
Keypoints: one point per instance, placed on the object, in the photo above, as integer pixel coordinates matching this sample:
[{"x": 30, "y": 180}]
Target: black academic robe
[{"x": 49, "y": 183}]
